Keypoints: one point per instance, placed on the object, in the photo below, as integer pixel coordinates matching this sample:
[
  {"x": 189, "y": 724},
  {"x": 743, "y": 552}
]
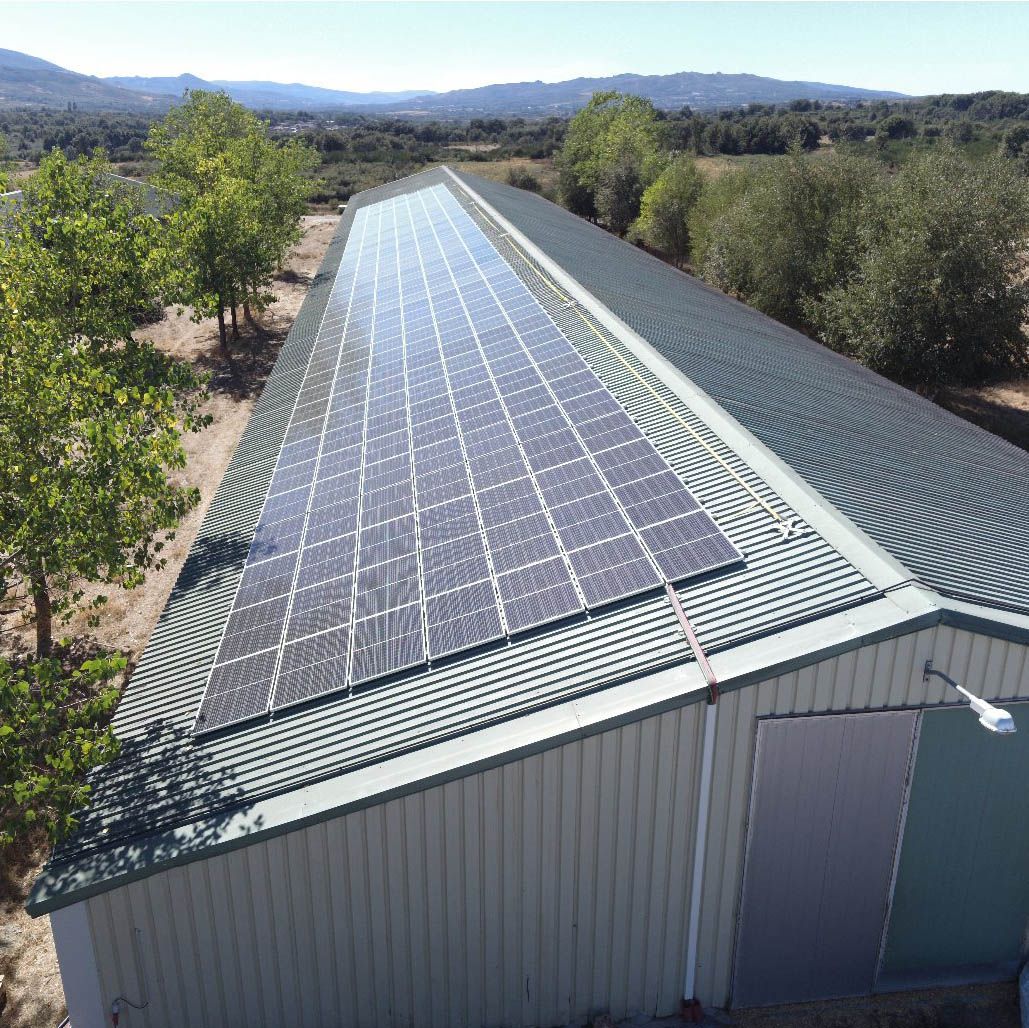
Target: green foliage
[
  {"x": 896, "y": 126},
  {"x": 1015, "y": 146},
  {"x": 90, "y": 418},
  {"x": 612, "y": 151},
  {"x": 619, "y": 193},
  {"x": 667, "y": 206},
  {"x": 241, "y": 196},
  {"x": 522, "y": 178},
  {"x": 937, "y": 293},
  {"x": 783, "y": 231},
  {"x": 53, "y": 730}
]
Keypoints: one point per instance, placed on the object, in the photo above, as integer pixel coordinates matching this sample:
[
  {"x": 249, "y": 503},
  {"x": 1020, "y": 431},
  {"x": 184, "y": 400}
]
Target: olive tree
[
  {"x": 780, "y": 233},
  {"x": 667, "y": 206},
  {"x": 938, "y": 293}
]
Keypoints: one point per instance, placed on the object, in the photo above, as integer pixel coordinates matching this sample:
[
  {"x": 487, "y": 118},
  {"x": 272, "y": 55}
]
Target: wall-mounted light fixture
[{"x": 992, "y": 718}]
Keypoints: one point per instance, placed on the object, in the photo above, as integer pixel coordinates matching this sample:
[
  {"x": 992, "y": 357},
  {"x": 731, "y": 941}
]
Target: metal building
[{"x": 742, "y": 788}]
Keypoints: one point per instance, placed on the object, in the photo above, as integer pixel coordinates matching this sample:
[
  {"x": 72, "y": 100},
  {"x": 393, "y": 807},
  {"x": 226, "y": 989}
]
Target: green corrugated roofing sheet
[
  {"x": 945, "y": 498},
  {"x": 166, "y": 779}
]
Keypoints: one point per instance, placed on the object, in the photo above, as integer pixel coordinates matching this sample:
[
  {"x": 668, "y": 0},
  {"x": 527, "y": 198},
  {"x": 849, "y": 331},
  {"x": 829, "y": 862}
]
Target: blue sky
[{"x": 911, "y": 47}]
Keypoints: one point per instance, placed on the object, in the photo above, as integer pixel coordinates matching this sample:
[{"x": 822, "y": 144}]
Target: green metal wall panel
[{"x": 961, "y": 902}]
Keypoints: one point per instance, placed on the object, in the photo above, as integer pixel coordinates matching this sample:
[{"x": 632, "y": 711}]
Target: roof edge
[{"x": 902, "y": 612}]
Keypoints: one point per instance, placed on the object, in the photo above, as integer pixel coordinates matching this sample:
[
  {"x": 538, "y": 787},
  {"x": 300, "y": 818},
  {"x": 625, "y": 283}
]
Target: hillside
[
  {"x": 30, "y": 81},
  {"x": 26, "y": 80},
  {"x": 695, "y": 89},
  {"x": 266, "y": 95}
]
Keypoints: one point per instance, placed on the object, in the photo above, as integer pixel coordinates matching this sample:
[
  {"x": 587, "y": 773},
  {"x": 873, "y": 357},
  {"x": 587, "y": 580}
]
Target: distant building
[{"x": 358, "y": 787}]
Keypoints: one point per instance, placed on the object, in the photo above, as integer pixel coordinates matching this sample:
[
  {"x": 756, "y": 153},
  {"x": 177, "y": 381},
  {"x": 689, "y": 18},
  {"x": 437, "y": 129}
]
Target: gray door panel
[{"x": 825, "y": 809}]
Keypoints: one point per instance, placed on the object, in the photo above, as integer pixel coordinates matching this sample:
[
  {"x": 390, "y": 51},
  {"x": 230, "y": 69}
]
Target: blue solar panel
[{"x": 453, "y": 472}]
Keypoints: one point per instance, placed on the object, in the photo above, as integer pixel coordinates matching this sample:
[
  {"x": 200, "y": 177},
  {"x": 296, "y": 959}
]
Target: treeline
[
  {"x": 360, "y": 152},
  {"x": 916, "y": 272},
  {"x": 31, "y": 132},
  {"x": 92, "y": 417}
]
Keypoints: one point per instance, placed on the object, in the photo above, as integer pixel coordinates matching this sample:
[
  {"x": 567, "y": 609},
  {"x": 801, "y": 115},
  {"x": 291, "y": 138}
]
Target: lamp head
[{"x": 994, "y": 719}]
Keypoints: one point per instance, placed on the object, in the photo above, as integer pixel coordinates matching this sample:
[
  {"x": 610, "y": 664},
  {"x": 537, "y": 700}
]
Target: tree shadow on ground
[
  {"x": 1006, "y": 420},
  {"x": 241, "y": 370}
]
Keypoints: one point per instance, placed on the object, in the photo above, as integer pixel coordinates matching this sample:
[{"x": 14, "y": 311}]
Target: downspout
[{"x": 691, "y": 1008}]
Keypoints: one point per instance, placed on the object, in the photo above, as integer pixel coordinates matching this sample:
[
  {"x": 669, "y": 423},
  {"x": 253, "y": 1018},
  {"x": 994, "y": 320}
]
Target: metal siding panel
[
  {"x": 404, "y": 866},
  {"x": 550, "y": 875},
  {"x": 587, "y": 895},
  {"x": 493, "y": 899},
  {"x": 459, "y": 888},
  {"x": 377, "y": 847},
  {"x": 961, "y": 902}
]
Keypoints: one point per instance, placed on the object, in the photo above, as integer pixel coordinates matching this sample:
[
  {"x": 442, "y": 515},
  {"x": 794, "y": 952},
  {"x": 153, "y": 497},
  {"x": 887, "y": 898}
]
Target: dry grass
[
  {"x": 542, "y": 168},
  {"x": 27, "y": 957}
]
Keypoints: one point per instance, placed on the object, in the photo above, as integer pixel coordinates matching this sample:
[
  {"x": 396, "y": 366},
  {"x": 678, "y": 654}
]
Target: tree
[
  {"x": 614, "y": 138},
  {"x": 1015, "y": 145},
  {"x": 619, "y": 193},
  {"x": 90, "y": 418},
  {"x": 53, "y": 730},
  {"x": 666, "y": 208},
  {"x": 896, "y": 126},
  {"x": 938, "y": 293},
  {"x": 241, "y": 197},
  {"x": 786, "y": 231}
]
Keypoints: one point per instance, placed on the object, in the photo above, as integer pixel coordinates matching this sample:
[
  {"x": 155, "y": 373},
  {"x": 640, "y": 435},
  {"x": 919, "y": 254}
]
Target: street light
[{"x": 992, "y": 718}]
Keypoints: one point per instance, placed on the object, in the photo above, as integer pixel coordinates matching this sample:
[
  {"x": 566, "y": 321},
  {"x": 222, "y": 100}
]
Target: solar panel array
[{"x": 453, "y": 473}]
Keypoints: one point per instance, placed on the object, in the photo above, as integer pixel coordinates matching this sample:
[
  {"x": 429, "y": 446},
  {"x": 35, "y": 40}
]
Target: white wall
[{"x": 539, "y": 893}]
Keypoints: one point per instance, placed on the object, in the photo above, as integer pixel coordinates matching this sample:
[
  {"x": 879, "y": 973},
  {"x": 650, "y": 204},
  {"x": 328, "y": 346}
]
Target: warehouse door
[
  {"x": 961, "y": 905},
  {"x": 825, "y": 811}
]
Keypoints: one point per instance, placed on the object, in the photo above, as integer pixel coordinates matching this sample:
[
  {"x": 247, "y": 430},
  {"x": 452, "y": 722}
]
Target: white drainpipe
[{"x": 699, "y": 848}]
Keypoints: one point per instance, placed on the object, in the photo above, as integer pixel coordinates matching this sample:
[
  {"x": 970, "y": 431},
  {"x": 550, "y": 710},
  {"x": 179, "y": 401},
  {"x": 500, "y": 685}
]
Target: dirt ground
[
  {"x": 1002, "y": 409},
  {"x": 27, "y": 959}
]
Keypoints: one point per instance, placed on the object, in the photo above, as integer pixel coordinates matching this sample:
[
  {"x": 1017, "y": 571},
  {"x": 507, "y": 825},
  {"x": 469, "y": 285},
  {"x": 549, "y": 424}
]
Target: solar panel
[{"x": 453, "y": 473}]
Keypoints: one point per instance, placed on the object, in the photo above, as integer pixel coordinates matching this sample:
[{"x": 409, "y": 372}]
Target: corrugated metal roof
[
  {"x": 166, "y": 778},
  {"x": 947, "y": 499}
]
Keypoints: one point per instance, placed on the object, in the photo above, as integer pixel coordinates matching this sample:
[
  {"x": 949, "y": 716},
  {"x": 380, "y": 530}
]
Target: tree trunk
[
  {"x": 235, "y": 325},
  {"x": 223, "y": 338},
  {"x": 44, "y": 614},
  {"x": 248, "y": 314}
]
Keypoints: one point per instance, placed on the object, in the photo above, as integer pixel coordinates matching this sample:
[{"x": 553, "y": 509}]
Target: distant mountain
[
  {"x": 30, "y": 80},
  {"x": 26, "y": 80},
  {"x": 693, "y": 88},
  {"x": 268, "y": 95},
  {"x": 167, "y": 85}
]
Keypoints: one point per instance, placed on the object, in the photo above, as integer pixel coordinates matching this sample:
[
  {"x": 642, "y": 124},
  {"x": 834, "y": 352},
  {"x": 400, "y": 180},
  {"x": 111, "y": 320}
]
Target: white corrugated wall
[{"x": 539, "y": 893}]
